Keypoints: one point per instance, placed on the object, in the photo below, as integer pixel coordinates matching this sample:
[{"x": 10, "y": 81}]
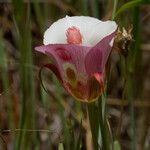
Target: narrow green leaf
[
  {"x": 27, "y": 97},
  {"x": 146, "y": 1},
  {"x": 115, "y": 2},
  {"x": 84, "y": 8},
  {"x": 94, "y": 8},
  {"x": 94, "y": 123},
  {"x": 129, "y": 5},
  {"x": 117, "y": 145},
  {"x": 104, "y": 126},
  {"x": 60, "y": 146},
  {"x": 132, "y": 59},
  {"x": 5, "y": 80},
  {"x": 39, "y": 14},
  {"x": 78, "y": 145}
]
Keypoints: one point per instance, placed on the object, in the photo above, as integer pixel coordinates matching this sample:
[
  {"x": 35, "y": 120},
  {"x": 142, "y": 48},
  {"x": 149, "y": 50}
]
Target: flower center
[{"x": 73, "y": 35}]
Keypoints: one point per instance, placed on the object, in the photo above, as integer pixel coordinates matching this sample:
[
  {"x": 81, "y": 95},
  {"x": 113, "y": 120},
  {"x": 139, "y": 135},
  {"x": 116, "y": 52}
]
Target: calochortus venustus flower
[{"x": 79, "y": 47}]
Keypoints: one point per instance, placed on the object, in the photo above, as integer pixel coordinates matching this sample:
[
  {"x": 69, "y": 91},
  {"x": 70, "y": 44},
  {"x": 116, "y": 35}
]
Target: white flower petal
[
  {"x": 91, "y": 29},
  {"x": 84, "y": 24},
  {"x": 56, "y": 32},
  {"x": 100, "y": 31}
]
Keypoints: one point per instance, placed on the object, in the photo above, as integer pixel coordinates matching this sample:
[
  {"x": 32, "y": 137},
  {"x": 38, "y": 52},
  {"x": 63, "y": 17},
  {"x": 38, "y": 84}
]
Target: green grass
[
  {"x": 5, "y": 81},
  {"x": 27, "y": 92}
]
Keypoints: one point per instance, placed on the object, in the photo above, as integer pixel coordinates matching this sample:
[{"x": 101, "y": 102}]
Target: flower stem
[
  {"x": 94, "y": 123},
  {"x": 99, "y": 125},
  {"x": 104, "y": 128},
  {"x": 114, "y": 9}
]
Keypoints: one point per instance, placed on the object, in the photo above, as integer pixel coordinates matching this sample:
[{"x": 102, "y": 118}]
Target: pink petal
[
  {"x": 41, "y": 49},
  {"x": 66, "y": 53},
  {"x": 88, "y": 92},
  {"x": 96, "y": 58},
  {"x": 55, "y": 70},
  {"x": 87, "y": 89}
]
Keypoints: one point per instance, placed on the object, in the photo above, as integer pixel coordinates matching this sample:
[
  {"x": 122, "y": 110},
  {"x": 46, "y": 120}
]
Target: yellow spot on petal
[
  {"x": 71, "y": 74},
  {"x": 94, "y": 89}
]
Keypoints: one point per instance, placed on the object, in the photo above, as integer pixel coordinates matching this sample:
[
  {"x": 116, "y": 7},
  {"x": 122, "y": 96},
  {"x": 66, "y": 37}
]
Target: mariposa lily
[{"x": 79, "y": 47}]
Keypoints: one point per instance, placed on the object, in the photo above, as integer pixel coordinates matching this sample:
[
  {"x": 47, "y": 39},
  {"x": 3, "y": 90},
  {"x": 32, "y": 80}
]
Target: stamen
[{"x": 73, "y": 35}]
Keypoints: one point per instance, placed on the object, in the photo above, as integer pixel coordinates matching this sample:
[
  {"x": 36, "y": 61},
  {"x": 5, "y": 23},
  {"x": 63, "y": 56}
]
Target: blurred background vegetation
[{"x": 30, "y": 118}]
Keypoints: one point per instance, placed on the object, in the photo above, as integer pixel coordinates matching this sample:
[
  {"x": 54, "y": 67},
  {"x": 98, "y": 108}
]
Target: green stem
[
  {"x": 94, "y": 123},
  {"x": 5, "y": 81},
  {"x": 105, "y": 133},
  {"x": 94, "y": 8},
  {"x": 26, "y": 74},
  {"x": 99, "y": 125},
  {"x": 114, "y": 9},
  {"x": 134, "y": 57}
]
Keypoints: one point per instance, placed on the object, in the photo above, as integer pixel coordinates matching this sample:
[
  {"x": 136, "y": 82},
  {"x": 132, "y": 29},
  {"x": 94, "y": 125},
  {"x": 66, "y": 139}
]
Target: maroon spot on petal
[{"x": 61, "y": 52}]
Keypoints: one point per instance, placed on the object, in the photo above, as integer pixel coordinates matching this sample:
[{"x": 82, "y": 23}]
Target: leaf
[
  {"x": 94, "y": 123},
  {"x": 146, "y": 1},
  {"x": 78, "y": 144},
  {"x": 60, "y": 146},
  {"x": 117, "y": 145},
  {"x": 131, "y": 4}
]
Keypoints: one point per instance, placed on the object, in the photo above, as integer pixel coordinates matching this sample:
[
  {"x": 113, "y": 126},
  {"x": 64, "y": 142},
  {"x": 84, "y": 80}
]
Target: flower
[{"x": 79, "y": 47}]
